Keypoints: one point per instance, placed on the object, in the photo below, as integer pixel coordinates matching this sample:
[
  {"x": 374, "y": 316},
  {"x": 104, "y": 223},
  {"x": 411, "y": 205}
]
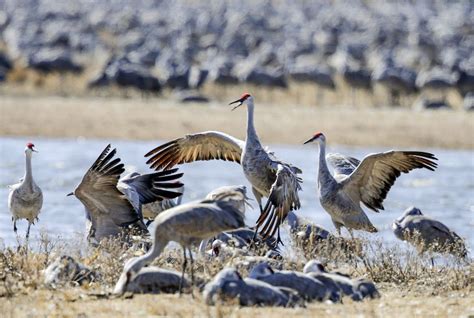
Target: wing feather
[
  {"x": 371, "y": 181},
  {"x": 283, "y": 198},
  {"x": 209, "y": 145},
  {"x": 99, "y": 194}
]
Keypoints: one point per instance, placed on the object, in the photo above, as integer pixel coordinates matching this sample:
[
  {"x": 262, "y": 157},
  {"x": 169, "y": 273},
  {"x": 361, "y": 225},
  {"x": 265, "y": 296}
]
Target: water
[{"x": 446, "y": 194}]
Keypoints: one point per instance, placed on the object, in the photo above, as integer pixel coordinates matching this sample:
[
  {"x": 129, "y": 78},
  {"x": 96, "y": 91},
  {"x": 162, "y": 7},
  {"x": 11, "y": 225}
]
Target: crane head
[
  {"x": 316, "y": 136},
  {"x": 241, "y": 100},
  {"x": 31, "y": 147}
]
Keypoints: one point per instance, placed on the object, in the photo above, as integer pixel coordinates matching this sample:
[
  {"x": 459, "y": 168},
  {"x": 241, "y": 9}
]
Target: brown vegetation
[{"x": 407, "y": 282}]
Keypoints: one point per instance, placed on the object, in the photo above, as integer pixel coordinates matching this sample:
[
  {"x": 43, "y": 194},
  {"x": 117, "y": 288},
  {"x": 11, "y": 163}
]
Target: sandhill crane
[
  {"x": 316, "y": 270},
  {"x": 107, "y": 208},
  {"x": 307, "y": 287},
  {"x": 233, "y": 194},
  {"x": 369, "y": 182},
  {"x": 155, "y": 280},
  {"x": 427, "y": 234},
  {"x": 269, "y": 176},
  {"x": 303, "y": 229},
  {"x": 25, "y": 198},
  {"x": 357, "y": 289},
  {"x": 65, "y": 269},
  {"x": 228, "y": 284},
  {"x": 186, "y": 224}
]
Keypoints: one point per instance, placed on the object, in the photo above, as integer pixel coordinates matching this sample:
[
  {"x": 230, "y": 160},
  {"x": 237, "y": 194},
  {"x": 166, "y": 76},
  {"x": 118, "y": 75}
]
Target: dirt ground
[
  {"x": 73, "y": 303},
  {"x": 155, "y": 118}
]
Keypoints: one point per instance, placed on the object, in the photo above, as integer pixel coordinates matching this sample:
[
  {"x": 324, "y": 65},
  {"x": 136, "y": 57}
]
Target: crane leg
[
  {"x": 185, "y": 262},
  {"x": 14, "y": 226},
  {"x": 278, "y": 241},
  {"x": 192, "y": 271},
  {"x": 28, "y": 231}
]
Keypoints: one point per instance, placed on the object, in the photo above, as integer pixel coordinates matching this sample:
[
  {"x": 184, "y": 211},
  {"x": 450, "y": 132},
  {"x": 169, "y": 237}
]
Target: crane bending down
[
  {"x": 367, "y": 181},
  {"x": 112, "y": 206},
  {"x": 186, "y": 224},
  {"x": 25, "y": 198},
  {"x": 269, "y": 176}
]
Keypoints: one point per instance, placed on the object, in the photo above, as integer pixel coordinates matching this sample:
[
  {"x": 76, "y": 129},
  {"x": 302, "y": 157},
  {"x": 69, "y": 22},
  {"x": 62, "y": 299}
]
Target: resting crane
[
  {"x": 368, "y": 182},
  {"x": 427, "y": 234},
  {"x": 269, "y": 176}
]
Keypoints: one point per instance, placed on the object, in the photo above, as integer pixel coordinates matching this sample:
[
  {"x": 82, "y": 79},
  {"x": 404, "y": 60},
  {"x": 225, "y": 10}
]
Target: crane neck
[
  {"x": 28, "y": 178},
  {"x": 252, "y": 137},
  {"x": 324, "y": 176},
  {"x": 148, "y": 257}
]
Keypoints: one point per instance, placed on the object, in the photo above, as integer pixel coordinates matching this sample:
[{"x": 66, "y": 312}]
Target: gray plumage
[
  {"x": 111, "y": 210},
  {"x": 344, "y": 284},
  {"x": 236, "y": 195},
  {"x": 229, "y": 285},
  {"x": 65, "y": 269},
  {"x": 186, "y": 224},
  {"x": 366, "y": 288},
  {"x": 269, "y": 176},
  {"x": 154, "y": 280},
  {"x": 369, "y": 182},
  {"x": 427, "y": 234},
  {"x": 302, "y": 229},
  {"x": 25, "y": 198},
  {"x": 307, "y": 287},
  {"x": 152, "y": 193}
]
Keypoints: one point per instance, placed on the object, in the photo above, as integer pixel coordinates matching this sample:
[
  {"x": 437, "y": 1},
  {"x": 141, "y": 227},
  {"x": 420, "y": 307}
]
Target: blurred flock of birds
[
  {"x": 405, "y": 46},
  {"x": 115, "y": 208}
]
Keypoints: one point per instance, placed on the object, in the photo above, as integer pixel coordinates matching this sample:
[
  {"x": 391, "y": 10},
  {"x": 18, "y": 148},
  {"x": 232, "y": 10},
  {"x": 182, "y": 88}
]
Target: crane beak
[
  {"x": 309, "y": 140},
  {"x": 240, "y": 101},
  {"x": 32, "y": 149},
  {"x": 69, "y": 194}
]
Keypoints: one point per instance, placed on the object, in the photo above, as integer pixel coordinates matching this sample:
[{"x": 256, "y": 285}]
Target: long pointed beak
[
  {"x": 34, "y": 150},
  {"x": 69, "y": 194},
  {"x": 240, "y": 101},
  {"x": 308, "y": 141}
]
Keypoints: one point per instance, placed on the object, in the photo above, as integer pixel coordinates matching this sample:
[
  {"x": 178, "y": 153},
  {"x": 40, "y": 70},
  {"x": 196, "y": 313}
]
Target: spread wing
[
  {"x": 344, "y": 165},
  {"x": 208, "y": 145},
  {"x": 155, "y": 186},
  {"x": 283, "y": 198},
  {"x": 99, "y": 194},
  {"x": 370, "y": 182}
]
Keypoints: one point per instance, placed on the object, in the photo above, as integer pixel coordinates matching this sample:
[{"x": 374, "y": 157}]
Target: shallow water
[{"x": 446, "y": 194}]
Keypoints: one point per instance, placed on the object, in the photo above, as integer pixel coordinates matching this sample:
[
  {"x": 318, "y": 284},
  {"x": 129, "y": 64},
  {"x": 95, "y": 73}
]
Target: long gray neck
[
  {"x": 324, "y": 176},
  {"x": 148, "y": 257},
  {"x": 252, "y": 138},
  {"x": 28, "y": 179}
]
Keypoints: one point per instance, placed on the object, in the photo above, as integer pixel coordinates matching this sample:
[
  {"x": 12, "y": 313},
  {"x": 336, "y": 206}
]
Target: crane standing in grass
[
  {"x": 186, "y": 224},
  {"x": 269, "y": 176},
  {"x": 367, "y": 181},
  {"x": 26, "y": 198}
]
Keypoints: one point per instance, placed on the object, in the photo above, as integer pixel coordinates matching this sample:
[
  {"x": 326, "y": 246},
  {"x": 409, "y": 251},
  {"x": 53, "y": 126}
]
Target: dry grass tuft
[{"x": 401, "y": 275}]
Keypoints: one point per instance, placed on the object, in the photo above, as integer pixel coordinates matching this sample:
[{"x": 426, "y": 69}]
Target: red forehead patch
[
  {"x": 318, "y": 133},
  {"x": 30, "y": 145},
  {"x": 244, "y": 96}
]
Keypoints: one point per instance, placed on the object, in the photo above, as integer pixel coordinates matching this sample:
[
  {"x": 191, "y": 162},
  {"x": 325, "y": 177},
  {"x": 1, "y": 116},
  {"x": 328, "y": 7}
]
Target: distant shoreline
[{"x": 162, "y": 119}]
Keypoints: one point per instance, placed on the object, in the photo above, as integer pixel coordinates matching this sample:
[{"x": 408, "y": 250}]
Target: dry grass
[
  {"x": 95, "y": 117},
  {"x": 408, "y": 284}
]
